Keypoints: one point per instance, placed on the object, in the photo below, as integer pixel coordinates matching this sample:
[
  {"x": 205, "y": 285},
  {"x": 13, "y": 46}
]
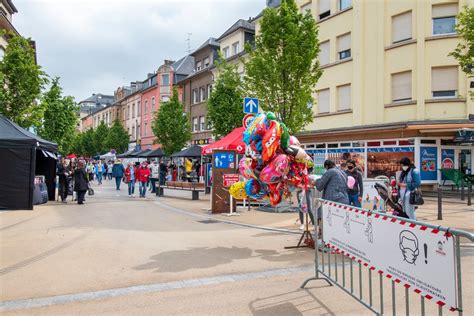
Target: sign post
[
  {"x": 251, "y": 105},
  {"x": 223, "y": 164},
  {"x": 229, "y": 180}
]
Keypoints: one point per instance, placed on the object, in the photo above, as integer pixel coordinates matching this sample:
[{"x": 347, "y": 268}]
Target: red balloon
[{"x": 271, "y": 141}]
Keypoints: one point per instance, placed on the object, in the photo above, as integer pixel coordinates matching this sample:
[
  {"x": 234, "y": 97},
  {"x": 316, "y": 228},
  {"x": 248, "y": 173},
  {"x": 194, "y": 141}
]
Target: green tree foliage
[
  {"x": 464, "y": 52},
  {"x": 87, "y": 143},
  {"x": 101, "y": 134},
  {"x": 60, "y": 118},
  {"x": 225, "y": 103},
  {"x": 283, "y": 69},
  {"x": 117, "y": 138},
  {"x": 171, "y": 125},
  {"x": 76, "y": 145},
  {"x": 21, "y": 83}
]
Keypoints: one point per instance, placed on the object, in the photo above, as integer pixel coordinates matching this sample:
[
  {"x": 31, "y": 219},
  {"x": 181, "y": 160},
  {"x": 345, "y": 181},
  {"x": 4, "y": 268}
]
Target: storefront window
[
  {"x": 373, "y": 144},
  {"x": 386, "y": 161},
  {"x": 340, "y": 156},
  {"x": 390, "y": 143},
  {"x": 406, "y": 142}
]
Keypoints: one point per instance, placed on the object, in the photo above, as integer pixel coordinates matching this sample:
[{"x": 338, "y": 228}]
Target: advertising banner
[
  {"x": 414, "y": 256},
  {"x": 208, "y": 174},
  {"x": 428, "y": 163},
  {"x": 371, "y": 199},
  {"x": 385, "y": 161},
  {"x": 447, "y": 160}
]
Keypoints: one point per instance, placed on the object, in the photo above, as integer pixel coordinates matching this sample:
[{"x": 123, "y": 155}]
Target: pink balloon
[
  {"x": 294, "y": 141},
  {"x": 245, "y": 168},
  {"x": 276, "y": 169}
]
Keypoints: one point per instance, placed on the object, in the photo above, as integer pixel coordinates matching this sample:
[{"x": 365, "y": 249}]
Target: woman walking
[
  {"x": 81, "y": 182},
  {"x": 130, "y": 177},
  {"x": 408, "y": 182},
  {"x": 143, "y": 174}
]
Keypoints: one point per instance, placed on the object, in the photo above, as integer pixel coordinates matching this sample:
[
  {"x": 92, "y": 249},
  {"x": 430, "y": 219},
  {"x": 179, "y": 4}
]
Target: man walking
[
  {"x": 155, "y": 174},
  {"x": 356, "y": 192},
  {"x": 81, "y": 182},
  {"x": 117, "y": 172},
  {"x": 63, "y": 173}
]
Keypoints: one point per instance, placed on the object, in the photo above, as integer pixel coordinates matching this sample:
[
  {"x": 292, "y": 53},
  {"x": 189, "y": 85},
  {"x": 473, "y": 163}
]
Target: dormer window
[
  {"x": 198, "y": 66},
  {"x": 235, "y": 48},
  {"x": 206, "y": 62}
]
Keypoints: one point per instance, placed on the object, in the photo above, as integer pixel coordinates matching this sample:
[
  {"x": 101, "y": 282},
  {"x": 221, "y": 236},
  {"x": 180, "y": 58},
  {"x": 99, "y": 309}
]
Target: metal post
[
  {"x": 343, "y": 271},
  {"x": 394, "y": 304},
  {"x": 462, "y": 188},
  {"x": 329, "y": 262},
  {"x": 440, "y": 310},
  {"x": 407, "y": 302},
  {"x": 422, "y": 305},
  {"x": 440, "y": 203},
  {"x": 360, "y": 280},
  {"x": 335, "y": 264},
  {"x": 352, "y": 277},
  {"x": 469, "y": 193},
  {"x": 381, "y": 293},
  {"x": 370, "y": 287},
  {"x": 458, "y": 272}
]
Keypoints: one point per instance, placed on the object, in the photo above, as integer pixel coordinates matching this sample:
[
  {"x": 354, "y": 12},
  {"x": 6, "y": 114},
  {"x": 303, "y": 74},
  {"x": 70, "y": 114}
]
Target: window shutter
[
  {"x": 444, "y": 78},
  {"x": 323, "y": 101},
  {"x": 445, "y": 10},
  {"x": 344, "y": 42},
  {"x": 401, "y": 27},
  {"x": 344, "y": 97},
  {"x": 324, "y": 5},
  {"x": 324, "y": 53},
  {"x": 401, "y": 86}
]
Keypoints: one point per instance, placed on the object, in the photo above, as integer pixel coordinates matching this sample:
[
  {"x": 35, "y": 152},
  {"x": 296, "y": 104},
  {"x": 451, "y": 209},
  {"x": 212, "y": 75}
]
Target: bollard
[
  {"x": 462, "y": 188},
  {"x": 440, "y": 203},
  {"x": 469, "y": 193}
]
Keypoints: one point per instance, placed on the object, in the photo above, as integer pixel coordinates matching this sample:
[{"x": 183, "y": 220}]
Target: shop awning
[
  {"x": 191, "y": 152},
  {"x": 232, "y": 141}
]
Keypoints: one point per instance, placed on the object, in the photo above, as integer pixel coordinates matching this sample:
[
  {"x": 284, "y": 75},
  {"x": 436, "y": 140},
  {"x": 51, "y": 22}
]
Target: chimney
[{"x": 169, "y": 62}]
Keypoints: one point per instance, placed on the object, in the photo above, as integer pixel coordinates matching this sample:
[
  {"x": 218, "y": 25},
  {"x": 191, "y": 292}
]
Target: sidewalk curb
[{"x": 179, "y": 210}]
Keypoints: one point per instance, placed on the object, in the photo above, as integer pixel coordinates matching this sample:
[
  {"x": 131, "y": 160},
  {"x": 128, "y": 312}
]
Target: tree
[
  {"x": 87, "y": 143},
  {"x": 100, "y": 138},
  {"x": 117, "y": 138},
  {"x": 283, "y": 69},
  {"x": 171, "y": 125},
  {"x": 76, "y": 146},
  {"x": 60, "y": 117},
  {"x": 21, "y": 83},
  {"x": 464, "y": 52},
  {"x": 224, "y": 108}
]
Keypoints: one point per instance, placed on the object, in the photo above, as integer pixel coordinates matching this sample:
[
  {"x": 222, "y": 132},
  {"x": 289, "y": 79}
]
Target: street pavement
[{"x": 120, "y": 255}]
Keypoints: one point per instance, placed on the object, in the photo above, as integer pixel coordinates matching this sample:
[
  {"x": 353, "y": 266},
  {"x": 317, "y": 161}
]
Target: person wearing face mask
[
  {"x": 357, "y": 190},
  {"x": 408, "y": 181},
  {"x": 333, "y": 184}
]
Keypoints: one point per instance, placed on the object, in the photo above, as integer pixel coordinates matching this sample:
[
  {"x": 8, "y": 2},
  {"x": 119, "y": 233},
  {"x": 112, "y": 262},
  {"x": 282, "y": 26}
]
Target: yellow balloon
[{"x": 237, "y": 190}]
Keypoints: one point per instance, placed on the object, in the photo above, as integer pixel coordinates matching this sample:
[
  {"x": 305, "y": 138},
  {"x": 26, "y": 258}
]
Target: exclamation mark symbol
[{"x": 425, "y": 246}]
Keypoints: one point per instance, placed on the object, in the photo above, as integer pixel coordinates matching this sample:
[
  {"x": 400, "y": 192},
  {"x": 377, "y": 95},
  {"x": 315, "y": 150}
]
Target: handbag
[
  {"x": 416, "y": 198},
  {"x": 90, "y": 191}
]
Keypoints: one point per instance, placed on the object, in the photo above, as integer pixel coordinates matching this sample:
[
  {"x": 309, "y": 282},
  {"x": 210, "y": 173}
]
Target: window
[
  {"x": 444, "y": 18},
  {"x": 195, "y": 96},
  {"x": 209, "y": 90},
  {"x": 324, "y": 53},
  {"x": 195, "y": 124},
  {"x": 235, "y": 48},
  {"x": 133, "y": 110},
  {"x": 344, "y": 97},
  {"x": 198, "y": 66},
  {"x": 202, "y": 123},
  {"x": 128, "y": 112},
  {"x": 226, "y": 52},
  {"x": 165, "y": 98},
  {"x": 152, "y": 104},
  {"x": 133, "y": 132},
  {"x": 145, "y": 130},
  {"x": 324, "y": 8},
  {"x": 401, "y": 86},
  {"x": 206, "y": 62},
  {"x": 444, "y": 81},
  {"x": 401, "y": 27},
  {"x": 323, "y": 101},
  {"x": 165, "y": 80},
  {"x": 202, "y": 93},
  {"x": 344, "y": 4},
  {"x": 146, "y": 107},
  {"x": 138, "y": 108},
  {"x": 306, "y": 7},
  {"x": 344, "y": 46}
]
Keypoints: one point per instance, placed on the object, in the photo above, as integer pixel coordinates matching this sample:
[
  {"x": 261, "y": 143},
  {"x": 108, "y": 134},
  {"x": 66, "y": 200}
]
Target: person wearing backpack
[
  {"x": 333, "y": 184},
  {"x": 355, "y": 186},
  {"x": 408, "y": 182}
]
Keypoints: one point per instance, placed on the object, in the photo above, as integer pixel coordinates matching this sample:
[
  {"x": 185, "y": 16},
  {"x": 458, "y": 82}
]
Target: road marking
[{"x": 147, "y": 288}]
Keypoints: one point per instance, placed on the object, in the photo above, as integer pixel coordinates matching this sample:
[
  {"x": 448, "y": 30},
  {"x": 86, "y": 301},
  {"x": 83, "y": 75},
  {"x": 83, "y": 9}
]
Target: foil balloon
[
  {"x": 246, "y": 168},
  {"x": 275, "y": 193},
  {"x": 285, "y": 136},
  {"x": 271, "y": 141},
  {"x": 275, "y": 169},
  {"x": 237, "y": 190},
  {"x": 258, "y": 125},
  {"x": 296, "y": 152},
  {"x": 294, "y": 141},
  {"x": 254, "y": 189}
]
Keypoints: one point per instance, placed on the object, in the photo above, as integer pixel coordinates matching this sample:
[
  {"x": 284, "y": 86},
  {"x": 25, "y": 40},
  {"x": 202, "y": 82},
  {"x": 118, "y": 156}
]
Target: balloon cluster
[{"x": 275, "y": 164}]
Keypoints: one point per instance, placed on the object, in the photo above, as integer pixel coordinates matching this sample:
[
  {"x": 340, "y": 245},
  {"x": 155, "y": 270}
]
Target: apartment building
[
  {"x": 389, "y": 88},
  {"x": 131, "y": 115},
  {"x": 94, "y": 103},
  {"x": 196, "y": 89},
  {"x": 7, "y": 9}
]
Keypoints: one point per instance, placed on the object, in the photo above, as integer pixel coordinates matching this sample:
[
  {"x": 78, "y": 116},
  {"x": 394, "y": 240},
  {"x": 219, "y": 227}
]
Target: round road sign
[{"x": 247, "y": 120}]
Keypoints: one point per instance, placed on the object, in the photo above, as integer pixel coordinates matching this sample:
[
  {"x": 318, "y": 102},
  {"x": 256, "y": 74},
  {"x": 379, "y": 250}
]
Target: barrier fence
[{"x": 362, "y": 249}]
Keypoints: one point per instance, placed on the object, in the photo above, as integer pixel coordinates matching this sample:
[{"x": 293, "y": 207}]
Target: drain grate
[{"x": 208, "y": 221}]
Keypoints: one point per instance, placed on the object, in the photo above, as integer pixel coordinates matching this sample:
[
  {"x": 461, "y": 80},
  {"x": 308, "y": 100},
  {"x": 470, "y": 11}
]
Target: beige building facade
[
  {"x": 389, "y": 87},
  {"x": 7, "y": 9}
]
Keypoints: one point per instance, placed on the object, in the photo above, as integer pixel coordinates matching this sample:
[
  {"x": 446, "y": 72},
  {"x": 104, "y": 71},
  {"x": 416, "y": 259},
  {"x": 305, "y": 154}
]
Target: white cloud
[{"x": 97, "y": 45}]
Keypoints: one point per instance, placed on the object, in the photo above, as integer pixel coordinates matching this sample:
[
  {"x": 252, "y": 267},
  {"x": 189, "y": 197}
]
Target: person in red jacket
[
  {"x": 143, "y": 174},
  {"x": 131, "y": 178}
]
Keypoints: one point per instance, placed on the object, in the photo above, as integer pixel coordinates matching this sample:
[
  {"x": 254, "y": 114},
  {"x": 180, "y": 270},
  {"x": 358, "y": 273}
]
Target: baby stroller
[{"x": 383, "y": 191}]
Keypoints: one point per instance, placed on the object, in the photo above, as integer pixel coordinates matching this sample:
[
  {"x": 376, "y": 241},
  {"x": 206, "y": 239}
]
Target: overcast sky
[{"x": 96, "y": 46}]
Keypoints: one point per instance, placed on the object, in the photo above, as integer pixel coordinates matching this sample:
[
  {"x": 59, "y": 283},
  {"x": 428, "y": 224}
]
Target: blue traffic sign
[
  {"x": 224, "y": 160},
  {"x": 250, "y": 105}
]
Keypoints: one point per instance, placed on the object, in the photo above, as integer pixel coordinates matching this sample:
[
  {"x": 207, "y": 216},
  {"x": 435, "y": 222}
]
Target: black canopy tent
[
  {"x": 22, "y": 156},
  {"x": 157, "y": 153},
  {"x": 140, "y": 153},
  {"x": 127, "y": 154},
  {"x": 191, "y": 152}
]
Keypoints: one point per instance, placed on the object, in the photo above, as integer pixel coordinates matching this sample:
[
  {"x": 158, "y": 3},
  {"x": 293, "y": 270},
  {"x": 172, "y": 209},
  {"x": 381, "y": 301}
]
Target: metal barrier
[{"x": 340, "y": 265}]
